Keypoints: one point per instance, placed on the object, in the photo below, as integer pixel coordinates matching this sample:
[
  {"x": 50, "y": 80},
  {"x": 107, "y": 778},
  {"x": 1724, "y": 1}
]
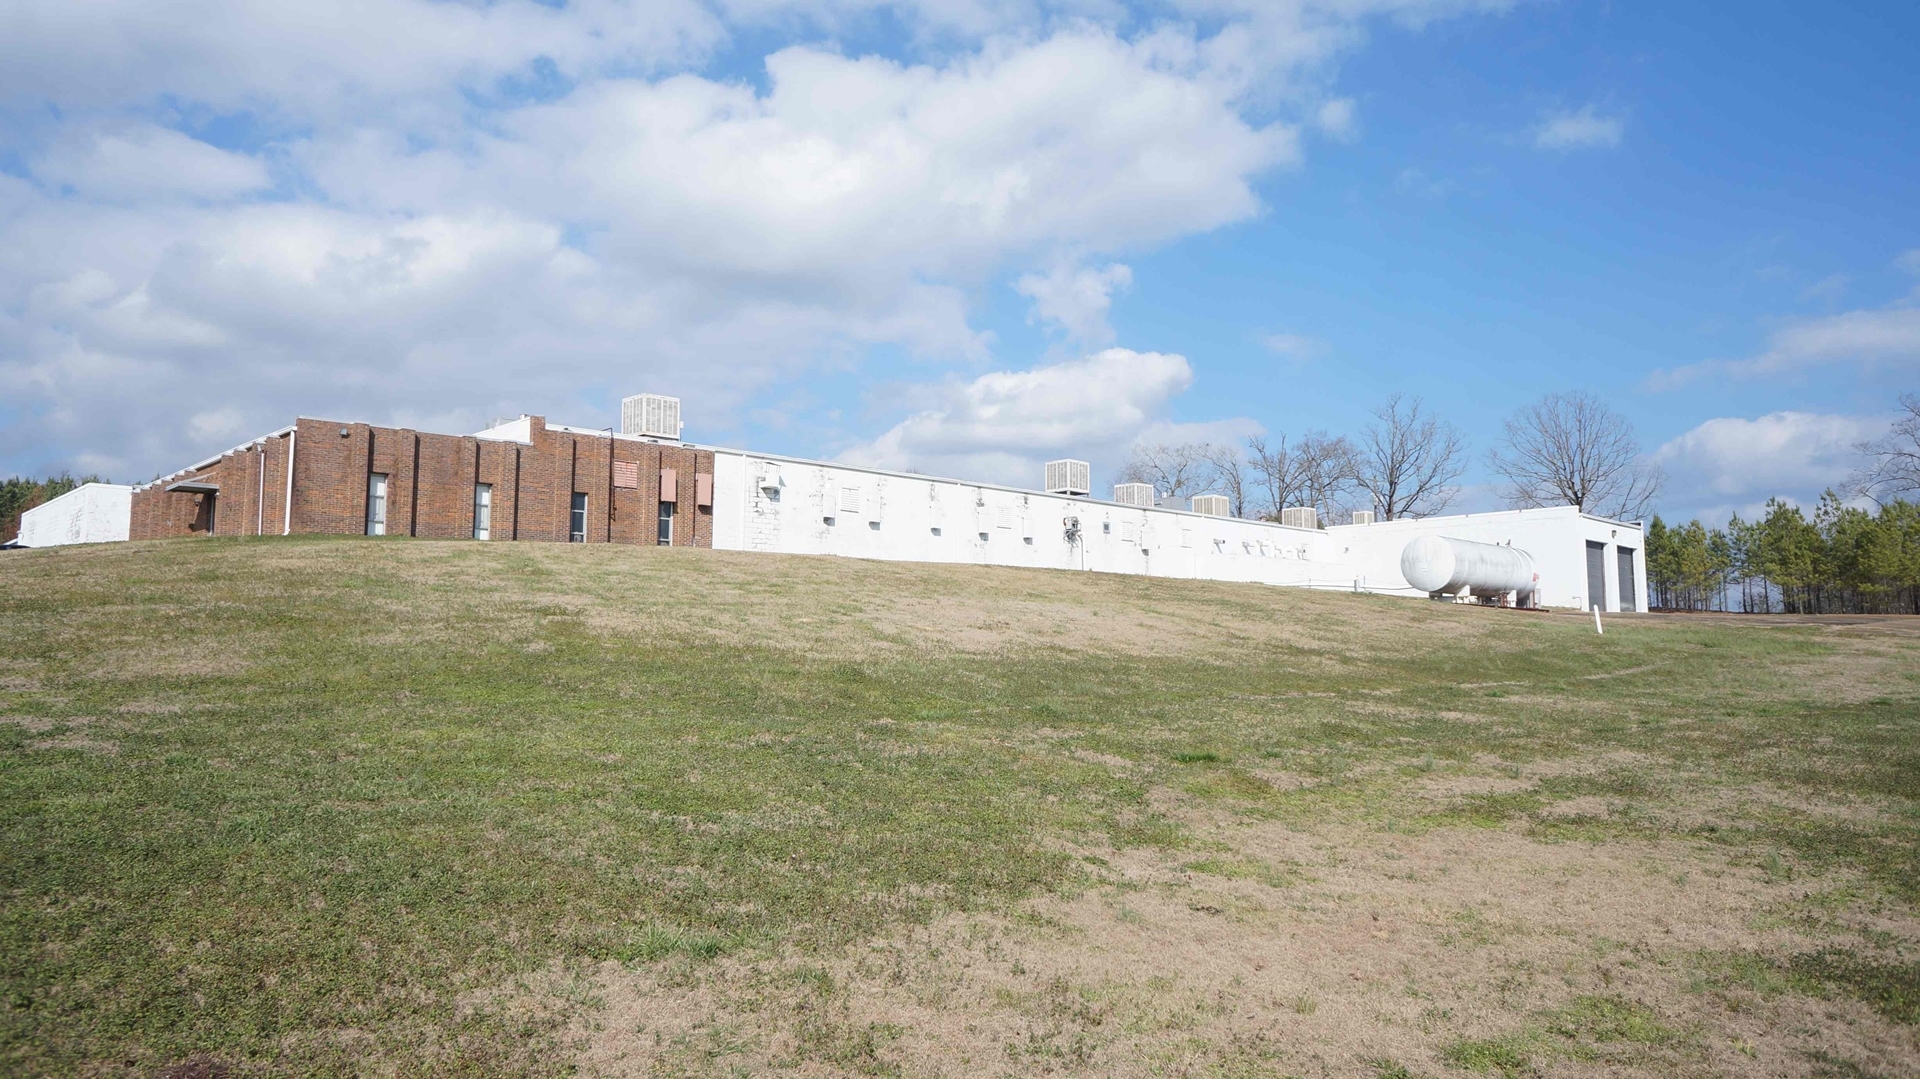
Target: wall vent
[
  {"x": 1212, "y": 505},
  {"x": 1003, "y": 517},
  {"x": 1069, "y": 477},
  {"x": 1300, "y": 517},
  {"x": 849, "y": 500},
  {"x": 649, "y": 415},
  {"x": 1134, "y": 494}
]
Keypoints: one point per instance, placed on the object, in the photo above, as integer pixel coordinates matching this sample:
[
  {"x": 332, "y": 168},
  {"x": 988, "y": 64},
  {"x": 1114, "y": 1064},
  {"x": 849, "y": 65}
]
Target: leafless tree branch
[
  {"x": 1892, "y": 468},
  {"x": 1408, "y": 461},
  {"x": 1571, "y": 449}
]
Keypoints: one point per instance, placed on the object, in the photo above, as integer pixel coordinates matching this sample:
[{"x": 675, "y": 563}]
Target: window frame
[
  {"x": 483, "y": 511},
  {"x": 377, "y": 490},
  {"x": 577, "y": 518},
  {"x": 663, "y": 523}
]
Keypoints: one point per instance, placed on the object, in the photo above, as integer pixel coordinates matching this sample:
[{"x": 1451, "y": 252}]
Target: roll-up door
[
  {"x": 1629, "y": 594},
  {"x": 1596, "y": 575}
]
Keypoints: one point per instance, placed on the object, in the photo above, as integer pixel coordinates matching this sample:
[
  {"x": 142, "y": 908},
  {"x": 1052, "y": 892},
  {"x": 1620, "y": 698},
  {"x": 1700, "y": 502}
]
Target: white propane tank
[{"x": 1444, "y": 565}]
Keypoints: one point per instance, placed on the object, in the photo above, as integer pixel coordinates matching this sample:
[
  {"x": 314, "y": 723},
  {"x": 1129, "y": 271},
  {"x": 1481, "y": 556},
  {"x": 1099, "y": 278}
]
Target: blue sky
[{"x": 963, "y": 235}]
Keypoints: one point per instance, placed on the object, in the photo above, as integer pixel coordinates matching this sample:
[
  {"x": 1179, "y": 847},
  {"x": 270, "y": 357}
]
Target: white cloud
[
  {"x": 1731, "y": 463},
  {"x": 1294, "y": 346},
  {"x": 1883, "y": 337},
  {"x": 1584, "y": 129},
  {"x": 1000, "y": 426},
  {"x": 435, "y": 243},
  {"x": 1909, "y": 260},
  {"x": 1339, "y": 117},
  {"x": 129, "y": 161},
  {"x": 1077, "y": 299}
]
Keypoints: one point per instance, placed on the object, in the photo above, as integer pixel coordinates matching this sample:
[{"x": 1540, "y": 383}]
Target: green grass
[{"x": 310, "y": 804}]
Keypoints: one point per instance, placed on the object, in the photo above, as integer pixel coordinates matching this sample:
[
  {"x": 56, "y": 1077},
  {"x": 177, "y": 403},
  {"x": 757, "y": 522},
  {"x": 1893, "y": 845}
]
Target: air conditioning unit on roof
[
  {"x": 1069, "y": 477},
  {"x": 1134, "y": 494},
  {"x": 1212, "y": 505},
  {"x": 650, "y": 415}
]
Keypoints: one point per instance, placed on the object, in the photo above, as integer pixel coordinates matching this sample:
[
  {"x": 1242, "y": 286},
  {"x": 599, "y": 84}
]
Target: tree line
[
  {"x": 18, "y": 495},
  {"x": 1564, "y": 449},
  {"x": 1846, "y": 559}
]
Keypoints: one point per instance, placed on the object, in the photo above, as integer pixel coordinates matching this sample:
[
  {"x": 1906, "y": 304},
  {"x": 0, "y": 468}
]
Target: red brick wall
[{"x": 430, "y": 486}]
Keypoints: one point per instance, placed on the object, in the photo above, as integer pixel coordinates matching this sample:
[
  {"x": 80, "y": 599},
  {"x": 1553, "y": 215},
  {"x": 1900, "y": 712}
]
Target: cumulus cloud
[
  {"x": 132, "y": 161},
  {"x": 516, "y": 205},
  {"x": 1734, "y": 464},
  {"x": 1001, "y": 426},
  {"x": 1582, "y": 130},
  {"x": 1887, "y": 337},
  {"x": 1909, "y": 261},
  {"x": 1076, "y": 299},
  {"x": 1339, "y": 117}
]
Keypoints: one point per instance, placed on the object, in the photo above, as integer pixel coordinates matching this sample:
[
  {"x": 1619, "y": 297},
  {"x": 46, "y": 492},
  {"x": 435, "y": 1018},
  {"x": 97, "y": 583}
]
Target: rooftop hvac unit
[
  {"x": 649, "y": 415},
  {"x": 1300, "y": 517},
  {"x": 1069, "y": 477},
  {"x": 1363, "y": 517},
  {"x": 1134, "y": 494},
  {"x": 1212, "y": 505}
]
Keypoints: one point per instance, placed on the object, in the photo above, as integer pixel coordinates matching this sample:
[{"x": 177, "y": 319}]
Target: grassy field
[{"x": 348, "y": 807}]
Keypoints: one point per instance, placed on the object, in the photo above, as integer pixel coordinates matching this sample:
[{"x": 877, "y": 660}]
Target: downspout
[
  {"x": 609, "y": 485},
  {"x": 260, "y": 496},
  {"x": 293, "y": 443}
]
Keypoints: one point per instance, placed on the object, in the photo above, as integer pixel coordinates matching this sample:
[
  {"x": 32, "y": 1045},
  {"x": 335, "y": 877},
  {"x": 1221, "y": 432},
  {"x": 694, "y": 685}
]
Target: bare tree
[
  {"x": 1892, "y": 468},
  {"x": 1276, "y": 478},
  {"x": 1571, "y": 449},
  {"x": 1177, "y": 471},
  {"x": 1408, "y": 461},
  {"x": 1328, "y": 466},
  {"x": 1227, "y": 475}
]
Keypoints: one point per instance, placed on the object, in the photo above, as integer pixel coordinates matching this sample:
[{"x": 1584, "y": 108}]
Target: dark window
[
  {"x": 577, "y": 530},
  {"x": 666, "y": 524},
  {"x": 1629, "y": 584},
  {"x": 1596, "y": 575}
]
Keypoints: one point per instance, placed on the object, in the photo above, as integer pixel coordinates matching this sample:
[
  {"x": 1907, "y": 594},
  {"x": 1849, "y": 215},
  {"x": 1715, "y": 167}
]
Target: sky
[{"x": 962, "y": 237}]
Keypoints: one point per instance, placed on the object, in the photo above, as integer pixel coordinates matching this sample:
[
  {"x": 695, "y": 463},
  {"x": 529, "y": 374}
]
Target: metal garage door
[
  {"x": 1596, "y": 575},
  {"x": 1629, "y": 595}
]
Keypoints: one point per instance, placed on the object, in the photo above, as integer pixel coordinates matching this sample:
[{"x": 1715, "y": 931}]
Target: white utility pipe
[
  {"x": 293, "y": 440},
  {"x": 1442, "y": 565}
]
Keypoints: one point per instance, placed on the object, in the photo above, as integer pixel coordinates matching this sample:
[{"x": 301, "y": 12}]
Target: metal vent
[
  {"x": 849, "y": 500},
  {"x": 1213, "y": 505},
  {"x": 649, "y": 415},
  {"x": 626, "y": 475},
  {"x": 1300, "y": 517},
  {"x": 1363, "y": 517},
  {"x": 1134, "y": 494},
  {"x": 1003, "y": 517},
  {"x": 1129, "y": 532},
  {"x": 1069, "y": 477}
]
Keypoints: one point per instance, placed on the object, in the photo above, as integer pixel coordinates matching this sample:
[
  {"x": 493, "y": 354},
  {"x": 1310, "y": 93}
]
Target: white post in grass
[{"x": 1596, "y": 621}]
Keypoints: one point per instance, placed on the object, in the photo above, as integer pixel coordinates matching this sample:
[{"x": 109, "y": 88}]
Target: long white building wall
[
  {"x": 1556, "y": 537},
  {"x": 90, "y": 513},
  {"x": 766, "y": 502},
  {"x": 770, "y": 503}
]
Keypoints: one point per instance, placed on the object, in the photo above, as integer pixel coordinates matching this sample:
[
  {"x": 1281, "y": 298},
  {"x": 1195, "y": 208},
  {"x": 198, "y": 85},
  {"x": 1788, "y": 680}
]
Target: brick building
[{"x": 521, "y": 480}]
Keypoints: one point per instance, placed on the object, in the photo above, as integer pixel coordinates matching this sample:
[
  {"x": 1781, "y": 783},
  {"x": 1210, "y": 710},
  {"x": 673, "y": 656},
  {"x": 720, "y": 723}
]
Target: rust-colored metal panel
[
  {"x": 703, "y": 489},
  {"x": 626, "y": 474},
  {"x": 669, "y": 485}
]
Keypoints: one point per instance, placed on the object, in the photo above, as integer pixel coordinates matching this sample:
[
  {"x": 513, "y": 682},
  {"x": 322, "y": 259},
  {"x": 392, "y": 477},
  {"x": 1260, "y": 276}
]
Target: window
[
  {"x": 377, "y": 504},
  {"x": 482, "y": 511},
  {"x": 666, "y": 524},
  {"x": 577, "y": 528}
]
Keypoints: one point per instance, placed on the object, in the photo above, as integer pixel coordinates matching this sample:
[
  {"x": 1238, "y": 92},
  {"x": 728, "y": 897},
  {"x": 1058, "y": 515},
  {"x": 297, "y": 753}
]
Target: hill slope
[{"x": 345, "y": 807}]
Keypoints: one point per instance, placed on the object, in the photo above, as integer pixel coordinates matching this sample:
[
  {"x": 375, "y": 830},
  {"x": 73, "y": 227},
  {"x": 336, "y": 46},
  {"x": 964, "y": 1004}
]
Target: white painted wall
[
  {"x": 766, "y": 502},
  {"x": 90, "y": 513},
  {"x": 1556, "y": 537}
]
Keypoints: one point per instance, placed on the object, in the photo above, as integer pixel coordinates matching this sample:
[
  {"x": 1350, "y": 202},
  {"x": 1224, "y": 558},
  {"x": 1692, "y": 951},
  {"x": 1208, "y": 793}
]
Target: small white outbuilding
[{"x": 90, "y": 513}]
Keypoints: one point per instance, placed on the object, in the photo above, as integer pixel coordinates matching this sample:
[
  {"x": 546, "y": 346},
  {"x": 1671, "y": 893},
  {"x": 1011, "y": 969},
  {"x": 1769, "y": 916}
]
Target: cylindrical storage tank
[{"x": 1444, "y": 564}]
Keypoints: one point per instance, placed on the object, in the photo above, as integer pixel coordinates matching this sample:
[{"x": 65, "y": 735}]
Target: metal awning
[{"x": 195, "y": 487}]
